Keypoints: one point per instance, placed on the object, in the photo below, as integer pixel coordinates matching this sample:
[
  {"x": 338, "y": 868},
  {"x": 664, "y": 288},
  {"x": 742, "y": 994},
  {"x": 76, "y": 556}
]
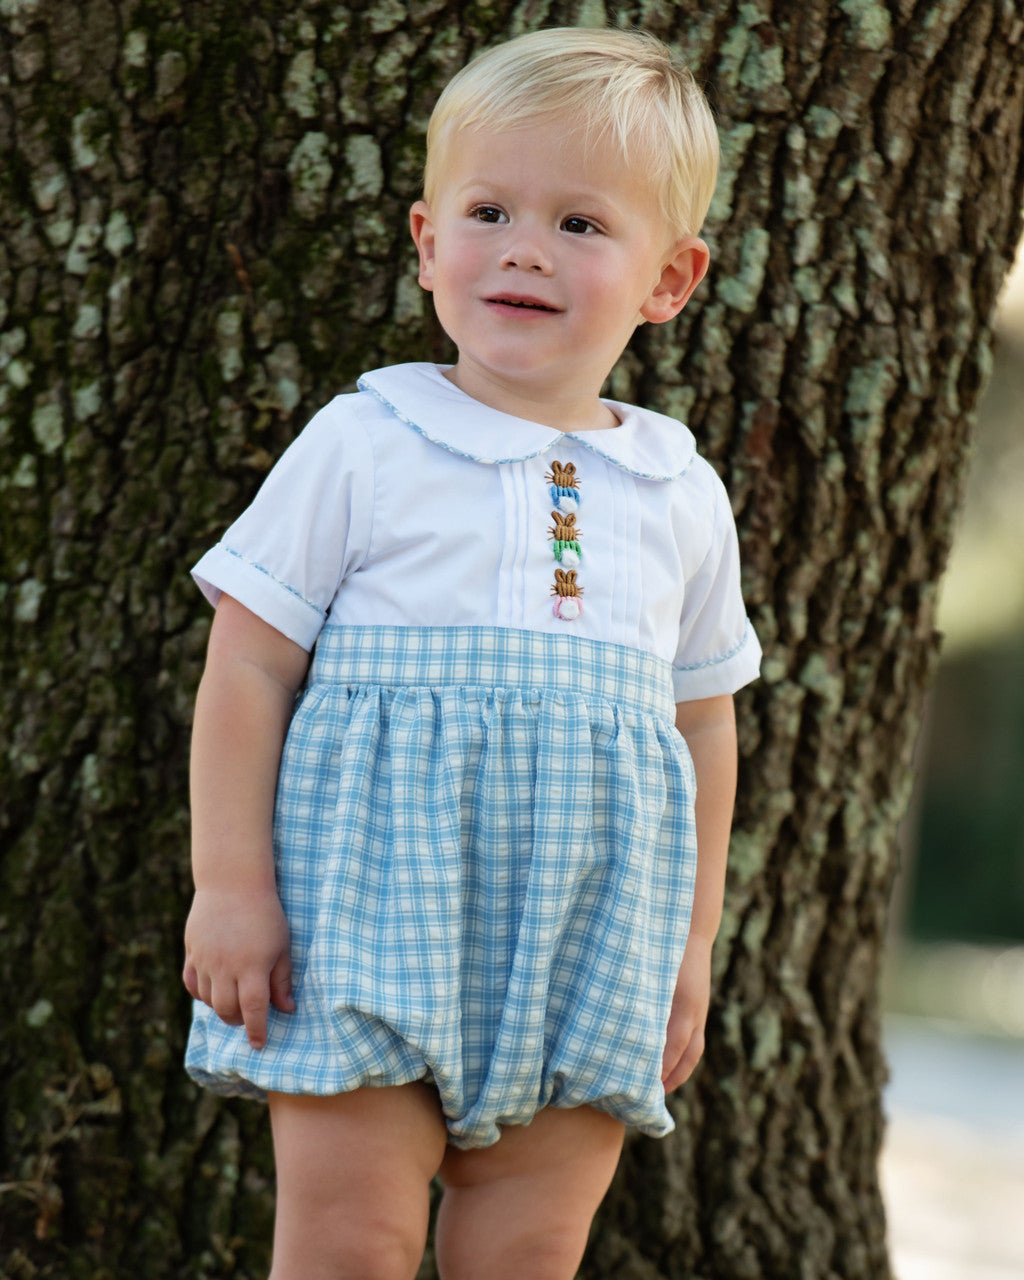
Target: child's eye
[
  {"x": 577, "y": 225},
  {"x": 487, "y": 213}
]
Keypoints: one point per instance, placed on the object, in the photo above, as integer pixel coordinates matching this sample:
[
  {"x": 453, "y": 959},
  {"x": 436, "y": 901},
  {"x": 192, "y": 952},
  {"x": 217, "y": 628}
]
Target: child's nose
[{"x": 527, "y": 253}]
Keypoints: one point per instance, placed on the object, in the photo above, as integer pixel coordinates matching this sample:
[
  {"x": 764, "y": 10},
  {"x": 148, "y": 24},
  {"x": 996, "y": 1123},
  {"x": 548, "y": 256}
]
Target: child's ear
[
  {"x": 422, "y": 228},
  {"x": 679, "y": 277}
]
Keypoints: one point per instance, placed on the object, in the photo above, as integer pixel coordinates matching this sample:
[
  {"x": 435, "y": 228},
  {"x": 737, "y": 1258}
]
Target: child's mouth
[{"x": 525, "y": 304}]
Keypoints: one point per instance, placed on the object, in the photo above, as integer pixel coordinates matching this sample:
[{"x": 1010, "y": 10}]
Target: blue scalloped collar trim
[{"x": 646, "y": 444}]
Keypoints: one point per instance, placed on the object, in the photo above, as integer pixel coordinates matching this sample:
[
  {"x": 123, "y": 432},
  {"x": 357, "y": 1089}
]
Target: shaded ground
[{"x": 953, "y": 1168}]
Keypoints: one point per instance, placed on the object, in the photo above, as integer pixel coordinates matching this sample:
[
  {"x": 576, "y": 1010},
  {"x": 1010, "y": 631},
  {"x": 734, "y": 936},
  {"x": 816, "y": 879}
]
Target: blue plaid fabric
[{"x": 486, "y": 852}]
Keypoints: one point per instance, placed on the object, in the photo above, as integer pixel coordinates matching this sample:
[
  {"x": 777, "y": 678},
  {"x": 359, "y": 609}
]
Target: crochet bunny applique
[
  {"x": 567, "y": 594},
  {"x": 565, "y": 537}
]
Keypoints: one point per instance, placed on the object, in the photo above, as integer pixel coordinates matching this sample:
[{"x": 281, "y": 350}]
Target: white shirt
[{"x": 409, "y": 503}]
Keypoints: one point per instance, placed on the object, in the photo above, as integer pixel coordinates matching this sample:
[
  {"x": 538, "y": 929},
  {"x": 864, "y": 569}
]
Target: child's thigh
[
  {"x": 353, "y": 1175},
  {"x": 558, "y": 1142},
  {"x": 528, "y": 1201}
]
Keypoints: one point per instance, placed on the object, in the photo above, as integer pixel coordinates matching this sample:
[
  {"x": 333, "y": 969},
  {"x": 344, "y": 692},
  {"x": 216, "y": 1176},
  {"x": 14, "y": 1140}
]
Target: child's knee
[
  {"x": 353, "y": 1183},
  {"x": 379, "y": 1250},
  {"x": 524, "y": 1206},
  {"x": 572, "y": 1151},
  {"x": 552, "y": 1253},
  {"x": 491, "y": 1231},
  {"x": 344, "y": 1246}
]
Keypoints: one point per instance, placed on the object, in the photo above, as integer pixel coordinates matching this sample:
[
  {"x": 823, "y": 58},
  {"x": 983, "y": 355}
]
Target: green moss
[
  {"x": 339, "y": 23},
  {"x": 49, "y": 185},
  {"x": 591, "y": 13},
  {"x": 799, "y": 194},
  {"x": 869, "y": 389},
  {"x": 747, "y": 856},
  {"x": 86, "y": 237},
  {"x": 773, "y": 670},
  {"x": 733, "y": 53},
  {"x": 386, "y": 15},
  {"x": 734, "y": 144},
  {"x": 310, "y": 171},
  {"x": 409, "y": 300},
  {"x": 12, "y": 342},
  {"x": 300, "y": 91},
  {"x": 366, "y": 174},
  {"x": 87, "y": 400},
  {"x": 844, "y": 293},
  {"x": 766, "y": 1025},
  {"x": 19, "y": 373},
  {"x": 755, "y": 929},
  {"x": 59, "y": 231},
  {"x": 88, "y": 322},
  {"x": 171, "y": 74},
  {"x": 823, "y": 123},
  {"x": 763, "y": 68},
  {"x": 24, "y": 475},
  {"x": 19, "y": 13},
  {"x": 389, "y": 76},
  {"x": 807, "y": 283},
  {"x": 90, "y": 140},
  {"x": 870, "y": 23},
  {"x": 807, "y": 242},
  {"x": 39, "y": 1014},
  {"x": 48, "y": 426},
  {"x": 740, "y": 292},
  {"x": 135, "y": 49},
  {"x": 117, "y": 234},
  {"x": 29, "y": 597},
  {"x": 817, "y": 676}
]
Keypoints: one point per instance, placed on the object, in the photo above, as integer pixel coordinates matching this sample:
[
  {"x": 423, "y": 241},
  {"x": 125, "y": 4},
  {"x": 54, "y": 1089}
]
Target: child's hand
[
  {"x": 684, "y": 1039},
  {"x": 237, "y": 957}
]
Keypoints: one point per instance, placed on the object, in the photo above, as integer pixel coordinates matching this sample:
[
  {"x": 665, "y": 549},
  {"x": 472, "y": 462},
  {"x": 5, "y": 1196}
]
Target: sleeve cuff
[
  {"x": 720, "y": 675},
  {"x": 225, "y": 572}
]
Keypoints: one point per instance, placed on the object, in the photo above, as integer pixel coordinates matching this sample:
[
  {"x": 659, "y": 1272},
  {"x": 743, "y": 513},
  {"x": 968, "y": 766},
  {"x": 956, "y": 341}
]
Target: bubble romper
[{"x": 484, "y": 834}]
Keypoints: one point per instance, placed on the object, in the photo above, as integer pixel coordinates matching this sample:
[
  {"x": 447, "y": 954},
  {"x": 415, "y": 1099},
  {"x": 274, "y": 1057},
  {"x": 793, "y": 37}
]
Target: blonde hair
[{"x": 625, "y": 86}]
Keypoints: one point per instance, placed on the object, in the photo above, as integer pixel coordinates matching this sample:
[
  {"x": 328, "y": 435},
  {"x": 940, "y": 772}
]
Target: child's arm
[
  {"x": 709, "y": 727},
  {"x": 236, "y": 939}
]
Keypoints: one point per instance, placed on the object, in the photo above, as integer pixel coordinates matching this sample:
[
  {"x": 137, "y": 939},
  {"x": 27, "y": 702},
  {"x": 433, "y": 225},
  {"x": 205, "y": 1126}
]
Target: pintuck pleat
[{"x": 486, "y": 852}]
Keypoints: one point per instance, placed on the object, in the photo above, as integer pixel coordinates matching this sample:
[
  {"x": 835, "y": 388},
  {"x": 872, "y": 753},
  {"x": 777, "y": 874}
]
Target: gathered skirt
[{"x": 485, "y": 848}]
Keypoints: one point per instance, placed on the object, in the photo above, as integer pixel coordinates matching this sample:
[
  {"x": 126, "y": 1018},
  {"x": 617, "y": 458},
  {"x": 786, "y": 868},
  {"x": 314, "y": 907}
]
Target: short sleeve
[
  {"x": 718, "y": 650},
  {"x": 306, "y": 530}
]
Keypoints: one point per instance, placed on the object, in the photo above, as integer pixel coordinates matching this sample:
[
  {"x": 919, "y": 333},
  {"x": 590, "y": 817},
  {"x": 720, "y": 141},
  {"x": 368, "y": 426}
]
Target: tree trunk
[{"x": 203, "y": 213}]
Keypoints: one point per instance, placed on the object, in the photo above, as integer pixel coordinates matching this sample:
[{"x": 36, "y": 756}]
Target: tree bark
[{"x": 203, "y": 214}]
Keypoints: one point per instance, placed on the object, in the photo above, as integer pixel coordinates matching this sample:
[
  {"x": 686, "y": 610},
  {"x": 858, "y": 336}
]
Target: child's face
[{"x": 543, "y": 255}]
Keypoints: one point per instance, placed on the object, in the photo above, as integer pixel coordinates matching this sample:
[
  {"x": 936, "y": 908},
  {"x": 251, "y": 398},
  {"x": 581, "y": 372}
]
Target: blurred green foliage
[
  {"x": 968, "y": 882},
  {"x": 967, "y": 873}
]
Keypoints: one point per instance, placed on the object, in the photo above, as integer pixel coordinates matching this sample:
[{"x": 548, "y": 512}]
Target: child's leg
[
  {"x": 524, "y": 1206},
  {"x": 353, "y": 1177}
]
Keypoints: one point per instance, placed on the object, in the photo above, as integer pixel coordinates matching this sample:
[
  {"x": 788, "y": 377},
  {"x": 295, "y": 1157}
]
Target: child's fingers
[
  {"x": 670, "y": 1063},
  {"x": 191, "y": 980},
  {"x": 204, "y": 989},
  {"x": 281, "y": 984},
  {"x": 682, "y": 1072},
  {"x": 222, "y": 997},
  {"x": 244, "y": 1003},
  {"x": 253, "y": 1003},
  {"x": 680, "y": 1060},
  {"x": 678, "y": 1034}
]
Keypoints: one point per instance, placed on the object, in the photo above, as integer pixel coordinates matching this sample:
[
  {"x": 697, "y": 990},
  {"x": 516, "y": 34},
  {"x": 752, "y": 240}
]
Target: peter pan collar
[{"x": 646, "y": 444}]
